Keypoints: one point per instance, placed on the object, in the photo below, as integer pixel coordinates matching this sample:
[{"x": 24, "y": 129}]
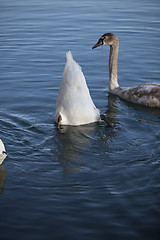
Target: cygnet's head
[
  {"x": 107, "y": 38},
  {"x": 3, "y": 153}
]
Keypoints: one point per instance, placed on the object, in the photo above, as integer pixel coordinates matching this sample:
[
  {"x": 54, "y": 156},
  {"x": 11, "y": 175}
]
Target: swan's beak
[{"x": 99, "y": 43}]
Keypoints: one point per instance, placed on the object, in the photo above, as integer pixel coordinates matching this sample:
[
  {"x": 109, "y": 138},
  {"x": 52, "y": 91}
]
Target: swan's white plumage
[
  {"x": 74, "y": 103},
  {"x": 2, "y": 152}
]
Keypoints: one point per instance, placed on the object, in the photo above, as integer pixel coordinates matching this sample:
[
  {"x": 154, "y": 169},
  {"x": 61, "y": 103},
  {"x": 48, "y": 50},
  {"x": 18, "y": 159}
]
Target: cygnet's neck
[{"x": 113, "y": 58}]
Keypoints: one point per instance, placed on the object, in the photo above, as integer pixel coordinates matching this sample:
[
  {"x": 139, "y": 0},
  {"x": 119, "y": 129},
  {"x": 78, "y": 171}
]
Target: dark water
[{"x": 87, "y": 182}]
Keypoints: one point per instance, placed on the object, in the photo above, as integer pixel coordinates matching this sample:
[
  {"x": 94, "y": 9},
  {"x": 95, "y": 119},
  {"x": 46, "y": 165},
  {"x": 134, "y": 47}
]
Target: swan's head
[{"x": 107, "y": 38}]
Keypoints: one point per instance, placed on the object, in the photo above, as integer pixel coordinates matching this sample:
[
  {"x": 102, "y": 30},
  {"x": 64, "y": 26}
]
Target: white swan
[
  {"x": 147, "y": 94},
  {"x": 74, "y": 104},
  {"x": 3, "y": 153}
]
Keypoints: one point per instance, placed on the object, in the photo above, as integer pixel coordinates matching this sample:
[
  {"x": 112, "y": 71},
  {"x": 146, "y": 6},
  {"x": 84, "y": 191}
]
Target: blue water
[{"x": 87, "y": 182}]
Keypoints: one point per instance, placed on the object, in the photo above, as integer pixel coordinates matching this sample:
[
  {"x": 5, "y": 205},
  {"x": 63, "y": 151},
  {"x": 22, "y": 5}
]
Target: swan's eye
[{"x": 101, "y": 40}]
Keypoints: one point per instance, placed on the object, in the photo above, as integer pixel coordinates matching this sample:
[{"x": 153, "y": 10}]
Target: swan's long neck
[{"x": 113, "y": 58}]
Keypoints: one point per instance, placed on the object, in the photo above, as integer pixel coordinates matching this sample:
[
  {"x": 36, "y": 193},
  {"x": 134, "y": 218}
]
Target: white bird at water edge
[
  {"x": 74, "y": 104},
  {"x": 147, "y": 94},
  {"x": 3, "y": 153}
]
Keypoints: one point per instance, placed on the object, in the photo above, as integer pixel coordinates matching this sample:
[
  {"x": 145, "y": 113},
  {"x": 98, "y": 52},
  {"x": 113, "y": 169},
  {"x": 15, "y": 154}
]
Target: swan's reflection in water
[
  {"x": 112, "y": 109},
  {"x": 2, "y": 177},
  {"x": 73, "y": 142}
]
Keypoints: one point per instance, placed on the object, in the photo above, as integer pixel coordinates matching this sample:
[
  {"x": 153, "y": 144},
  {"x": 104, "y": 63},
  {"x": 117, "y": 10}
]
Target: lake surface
[{"x": 87, "y": 182}]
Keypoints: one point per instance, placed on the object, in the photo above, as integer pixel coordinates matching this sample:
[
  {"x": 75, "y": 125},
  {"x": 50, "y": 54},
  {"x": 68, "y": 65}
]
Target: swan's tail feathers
[{"x": 69, "y": 56}]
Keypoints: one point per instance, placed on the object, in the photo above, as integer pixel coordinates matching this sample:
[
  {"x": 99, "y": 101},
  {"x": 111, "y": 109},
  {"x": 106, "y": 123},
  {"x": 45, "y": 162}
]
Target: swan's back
[
  {"x": 2, "y": 147},
  {"x": 74, "y": 103},
  {"x": 147, "y": 94},
  {"x": 2, "y": 152}
]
